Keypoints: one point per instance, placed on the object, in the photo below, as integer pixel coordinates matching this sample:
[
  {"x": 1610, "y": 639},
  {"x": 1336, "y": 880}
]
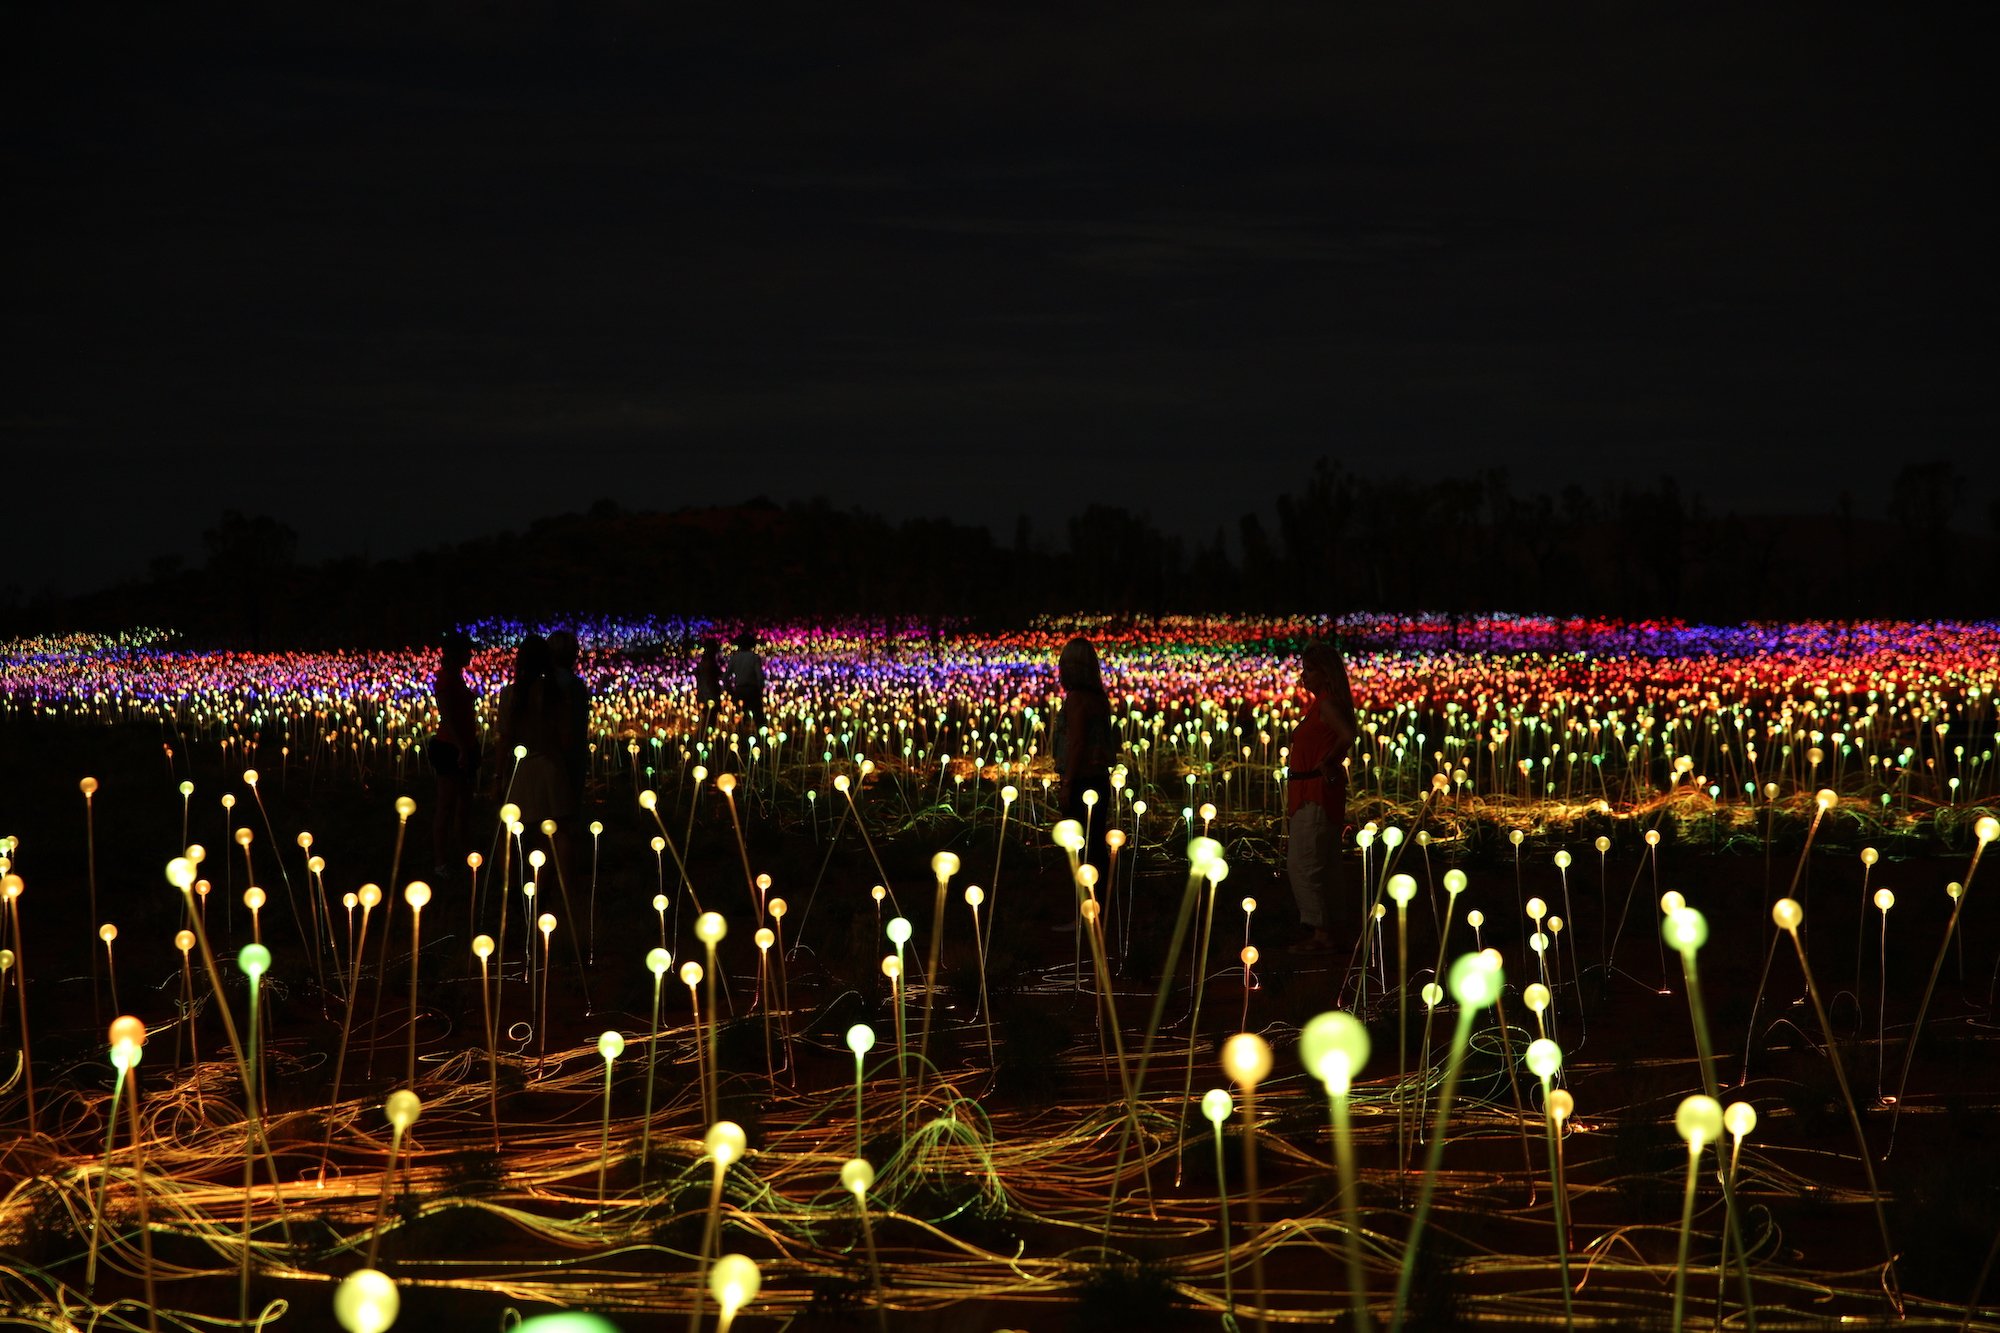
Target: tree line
[{"x": 1346, "y": 540}]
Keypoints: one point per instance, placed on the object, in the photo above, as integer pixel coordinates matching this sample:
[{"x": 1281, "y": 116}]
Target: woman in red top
[{"x": 1316, "y": 794}]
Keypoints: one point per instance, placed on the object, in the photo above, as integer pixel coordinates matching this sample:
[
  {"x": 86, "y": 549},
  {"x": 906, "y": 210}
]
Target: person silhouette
[
  {"x": 1083, "y": 744},
  {"x": 746, "y": 678},
  {"x": 1316, "y": 790},
  {"x": 708, "y": 681}
]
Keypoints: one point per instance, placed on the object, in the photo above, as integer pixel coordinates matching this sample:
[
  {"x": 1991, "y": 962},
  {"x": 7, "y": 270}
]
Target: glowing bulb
[
  {"x": 648, "y": 800},
  {"x": 366, "y": 1302},
  {"x": 610, "y": 1045},
  {"x": 1827, "y": 798},
  {"x": 1433, "y": 994},
  {"x": 1652, "y": 837},
  {"x": 898, "y": 931},
  {"x": 546, "y": 923},
  {"x": 184, "y": 940},
  {"x": 249, "y": 777},
  {"x": 1246, "y": 1058},
  {"x": 1475, "y": 918},
  {"x": 1514, "y": 836},
  {"x": 726, "y": 783},
  {"x": 1869, "y": 856},
  {"x": 1536, "y": 997},
  {"x": 108, "y": 932},
  {"x": 1739, "y": 1118},
  {"x": 1671, "y": 901},
  {"x": 1544, "y": 1058},
  {"x": 254, "y": 898},
  {"x": 1699, "y": 1121},
  {"x": 417, "y": 894},
  {"x": 254, "y": 959},
  {"x": 709, "y": 927},
  {"x": 1603, "y": 845},
  {"x": 1454, "y": 881},
  {"x": 892, "y": 967},
  {"x": 657, "y": 961},
  {"x": 1537, "y": 909},
  {"x": 1068, "y": 835},
  {"x": 1884, "y": 899},
  {"x": 691, "y": 974},
  {"x": 1402, "y": 888},
  {"x": 1561, "y": 1105},
  {"x": 405, "y": 807},
  {"x": 944, "y": 865},
  {"x": 1685, "y": 929},
  {"x": 482, "y": 947},
  {"x": 724, "y": 1142},
  {"x": 1787, "y": 913},
  {"x": 857, "y": 1177},
  {"x": 861, "y": 1039},
  {"x": 1987, "y": 829},
  {"x": 778, "y": 908},
  {"x": 840, "y": 783},
  {"x": 1333, "y": 1047},
  {"x": 510, "y": 814},
  {"x": 402, "y": 1109},
  {"x": 878, "y": 893},
  {"x": 974, "y": 895},
  {"x": 734, "y": 1281},
  {"x": 1475, "y": 980}
]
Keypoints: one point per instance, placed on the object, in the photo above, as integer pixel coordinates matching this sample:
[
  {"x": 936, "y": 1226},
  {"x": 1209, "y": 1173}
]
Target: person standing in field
[
  {"x": 708, "y": 682},
  {"x": 1083, "y": 744},
  {"x": 1316, "y": 790},
  {"x": 746, "y": 678}
]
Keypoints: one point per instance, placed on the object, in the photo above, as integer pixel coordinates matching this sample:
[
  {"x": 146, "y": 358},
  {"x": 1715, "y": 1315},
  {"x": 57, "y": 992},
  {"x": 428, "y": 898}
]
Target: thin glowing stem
[
  {"x": 1923, "y": 1006},
  {"x": 1343, "y": 1150},
  {"x": 1460, "y": 1037},
  {"x": 1687, "y": 1225},
  {"x": 1889, "y": 1282}
]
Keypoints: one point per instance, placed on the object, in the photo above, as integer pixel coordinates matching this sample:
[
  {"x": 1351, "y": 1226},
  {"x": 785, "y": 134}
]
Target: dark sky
[{"x": 401, "y": 273}]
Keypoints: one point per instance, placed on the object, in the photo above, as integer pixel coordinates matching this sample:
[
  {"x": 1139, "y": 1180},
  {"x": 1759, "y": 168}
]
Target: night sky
[{"x": 402, "y": 274}]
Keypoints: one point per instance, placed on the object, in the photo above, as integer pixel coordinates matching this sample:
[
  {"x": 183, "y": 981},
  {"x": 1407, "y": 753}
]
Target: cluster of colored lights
[{"x": 1497, "y": 706}]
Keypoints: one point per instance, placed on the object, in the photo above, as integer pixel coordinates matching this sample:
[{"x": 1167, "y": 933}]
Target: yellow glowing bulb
[
  {"x": 691, "y": 974},
  {"x": 1246, "y": 1058},
  {"x": 405, "y": 807},
  {"x": 417, "y": 894},
  {"x": 1787, "y": 913},
  {"x": 482, "y": 947}
]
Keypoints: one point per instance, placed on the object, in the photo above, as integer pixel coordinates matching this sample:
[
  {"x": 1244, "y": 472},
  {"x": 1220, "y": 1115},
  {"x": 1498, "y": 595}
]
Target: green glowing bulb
[
  {"x": 861, "y": 1039},
  {"x": 1699, "y": 1120},
  {"x": 1475, "y": 980},
  {"x": 1685, "y": 929},
  {"x": 366, "y": 1302},
  {"x": 255, "y": 960},
  {"x": 857, "y": 1176},
  {"x": 1333, "y": 1047},
  {"x": 1217, "y": 1106},
  {"x": 610, "y": 1045},
  {"x": 1544, "y": 1058}
]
